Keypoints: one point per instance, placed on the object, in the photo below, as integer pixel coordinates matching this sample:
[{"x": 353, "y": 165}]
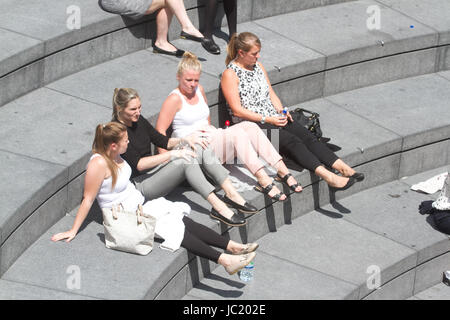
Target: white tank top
[
  {"x": 124, "y": 191},
  {"x": 191, "y": 117}
]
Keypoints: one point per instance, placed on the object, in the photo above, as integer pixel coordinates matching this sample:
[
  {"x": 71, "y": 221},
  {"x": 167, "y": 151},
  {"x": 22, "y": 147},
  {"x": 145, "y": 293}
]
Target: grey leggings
[{"x": 164, "y": 178}]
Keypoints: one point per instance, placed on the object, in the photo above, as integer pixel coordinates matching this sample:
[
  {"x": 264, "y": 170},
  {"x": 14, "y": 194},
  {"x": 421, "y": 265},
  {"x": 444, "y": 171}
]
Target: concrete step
[
  {"x": 48, "y": 50},
  {"x": 54, "y": 169},
  {"x": 63, "y": 37},
  {"x": 437, "y": 292},
  {"x": 47, "y": 134},
  {"x": 333, "y": 251}
]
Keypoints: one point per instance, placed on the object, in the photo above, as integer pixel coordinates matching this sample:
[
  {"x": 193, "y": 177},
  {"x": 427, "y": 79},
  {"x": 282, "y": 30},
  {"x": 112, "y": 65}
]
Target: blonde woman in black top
[{"x": 157, "y": 175}]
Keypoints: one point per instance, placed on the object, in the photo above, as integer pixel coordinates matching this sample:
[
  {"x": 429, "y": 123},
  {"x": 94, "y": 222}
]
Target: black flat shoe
[
  {"x": 210, "y": 46},
  {"x": 351, "y": 181},
  {"x": 246, "y": 208},
  {"x": 358, "y": 176},
  {"x": 179, "y": 53},
  {"x": 235, "y": 221},
  {"x": 187, "y": 36}
]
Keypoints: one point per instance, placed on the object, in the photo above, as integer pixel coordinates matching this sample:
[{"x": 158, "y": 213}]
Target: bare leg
[
  {"x": 219, "y": 205},
  {"x": 235, "y": 247},
  {"x": 231, "y": 192},
  {"x": 177, "y": 8},
  {"x": 343, "y": 168},
  {"x": 282, "y": 170},
  {"x": 167, "y": 8},
  {"x": 232, "y": 261},
  {"x": 264, "y": 180},
  {"x": 332, "y": 179},
  {"x": 163, "y": 19}
]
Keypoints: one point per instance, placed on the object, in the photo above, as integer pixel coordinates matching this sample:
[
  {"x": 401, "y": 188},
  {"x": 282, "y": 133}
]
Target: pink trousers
[{"x": 245, "y": 141}]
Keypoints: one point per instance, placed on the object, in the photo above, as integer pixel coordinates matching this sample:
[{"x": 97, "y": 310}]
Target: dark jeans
[
  {"x": 442, "y": 220},
  {"x": 300, "y": 145},
  {"x": 198, "y": 239}
]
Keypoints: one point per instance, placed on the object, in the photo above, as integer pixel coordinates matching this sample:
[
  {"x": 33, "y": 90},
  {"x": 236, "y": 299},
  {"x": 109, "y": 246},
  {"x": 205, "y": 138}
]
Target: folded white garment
[
  {"x": 431, "y": 185},
  {"x": 169, "y": 221}
]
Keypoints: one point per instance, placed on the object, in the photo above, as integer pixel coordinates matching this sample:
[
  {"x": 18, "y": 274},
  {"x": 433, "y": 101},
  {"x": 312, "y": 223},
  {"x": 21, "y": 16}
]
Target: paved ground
[
  {"x": 437, "y": 292},
  {"x": 329, "y": 253}
]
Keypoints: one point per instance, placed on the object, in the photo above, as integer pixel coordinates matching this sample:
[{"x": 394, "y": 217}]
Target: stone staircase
[{"x": 384, "y": 92}]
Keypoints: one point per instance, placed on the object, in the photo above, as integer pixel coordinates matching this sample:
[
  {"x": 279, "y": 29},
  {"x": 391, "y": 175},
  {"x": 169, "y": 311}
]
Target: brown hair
[
  {"x": 120, "y": 100},
  {"x": 105, "y": 135},
  {"x": 243, "y": 41},
  {"x": 189, "y": 62}
]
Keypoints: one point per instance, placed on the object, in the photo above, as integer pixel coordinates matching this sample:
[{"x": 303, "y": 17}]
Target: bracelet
[
  {"x": 183, "y": 143},
  {"x": 263, "y": 119}
]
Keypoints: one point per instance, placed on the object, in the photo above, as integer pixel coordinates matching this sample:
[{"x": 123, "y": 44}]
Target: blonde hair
[
  {"x": 105, "y": 135},
  {"x": 243, "y": 41},
  {"x": 120, "y": 100},
  {"x": 189, "y": 61}
]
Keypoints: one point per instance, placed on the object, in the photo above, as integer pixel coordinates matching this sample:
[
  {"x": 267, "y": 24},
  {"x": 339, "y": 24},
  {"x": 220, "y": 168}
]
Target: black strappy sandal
[
  {"x": 285, "y": 179},
  {"x": 267, "y": 189}
]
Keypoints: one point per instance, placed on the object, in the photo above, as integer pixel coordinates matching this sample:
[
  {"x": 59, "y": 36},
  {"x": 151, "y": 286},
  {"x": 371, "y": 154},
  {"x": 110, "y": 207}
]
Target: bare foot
[
  {"x": 338, "y": 181},
  {"x": 267, "y": 181}
]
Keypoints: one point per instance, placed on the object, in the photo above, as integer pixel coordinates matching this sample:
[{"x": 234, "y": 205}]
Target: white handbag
[{"x": 128, "y": 231}]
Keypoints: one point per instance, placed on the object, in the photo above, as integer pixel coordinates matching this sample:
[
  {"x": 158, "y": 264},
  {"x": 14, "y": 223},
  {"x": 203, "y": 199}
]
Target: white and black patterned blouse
[{"x": 253, "y": 91}]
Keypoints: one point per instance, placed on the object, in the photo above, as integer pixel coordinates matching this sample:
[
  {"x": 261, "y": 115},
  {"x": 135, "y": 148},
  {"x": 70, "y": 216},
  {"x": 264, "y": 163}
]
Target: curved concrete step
[
  {"x": 336, "y": 251},
  {"x": 47, "y": 149},
  {"x": 47, "y": 50},
  {"x": 437, "y": 292},
  {"x": 392, "y": 148},
  {"x": 48, "y": 44}
]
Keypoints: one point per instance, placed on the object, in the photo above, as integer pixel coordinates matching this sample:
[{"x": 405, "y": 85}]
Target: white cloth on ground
[
  {"x": 169, "y": 221},
  {"x": 431, "y": 185}
]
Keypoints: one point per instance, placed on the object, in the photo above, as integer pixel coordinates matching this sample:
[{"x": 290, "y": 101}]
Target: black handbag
[{"x": 309, "y": 120}]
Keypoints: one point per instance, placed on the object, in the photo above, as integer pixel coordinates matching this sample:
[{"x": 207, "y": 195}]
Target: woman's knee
[{"x": 155, "y": 6}]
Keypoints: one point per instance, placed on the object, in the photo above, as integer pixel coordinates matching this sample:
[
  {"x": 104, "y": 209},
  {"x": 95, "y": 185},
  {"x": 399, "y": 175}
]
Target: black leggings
[
  {"x": 300, "y": 145},
  {"x": 230, "y": 7},
  {"x": 198, "y": 238}
]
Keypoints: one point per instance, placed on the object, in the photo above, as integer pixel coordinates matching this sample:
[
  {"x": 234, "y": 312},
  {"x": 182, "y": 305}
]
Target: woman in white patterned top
[{"x": 250, "y": 97}]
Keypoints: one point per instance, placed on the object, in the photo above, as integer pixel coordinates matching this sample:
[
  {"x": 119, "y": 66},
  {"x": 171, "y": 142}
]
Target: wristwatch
[{"x": 263, "y": 119}]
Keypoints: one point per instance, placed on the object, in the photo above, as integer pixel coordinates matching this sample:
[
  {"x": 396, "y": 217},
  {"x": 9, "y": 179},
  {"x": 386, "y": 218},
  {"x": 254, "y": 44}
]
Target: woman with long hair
[
  {"x": 156, "y": 175},
  {"x": 250, "y": 96},
  {"x": 108, "y": 180}
]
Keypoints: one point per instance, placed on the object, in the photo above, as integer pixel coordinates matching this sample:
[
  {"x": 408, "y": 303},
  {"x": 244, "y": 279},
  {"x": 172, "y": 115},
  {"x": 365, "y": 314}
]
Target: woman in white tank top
[
  {"x": 187, "y": 110},
  {"x": 107, "y": 179}
]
